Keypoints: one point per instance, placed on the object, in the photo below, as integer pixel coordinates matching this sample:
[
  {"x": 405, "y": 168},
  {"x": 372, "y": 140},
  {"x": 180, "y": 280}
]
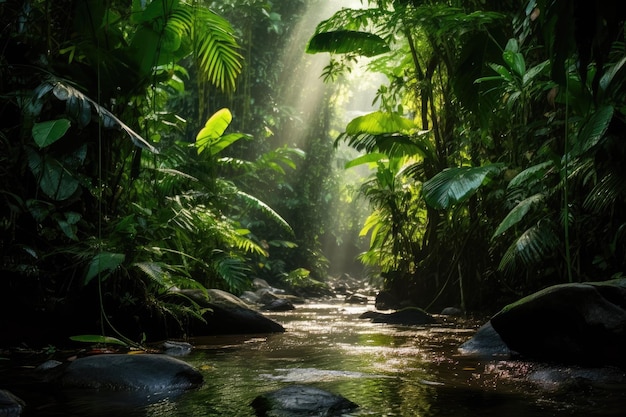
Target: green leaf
[
  {"x": 515, "y": 61},
  {"x": 518, "y": 213},
  {"x": 225, "y": 141},
  {"x": 366, "y": 159},
  {"x": 102, "y": 262},
  {"x": 455, "y": 185},
  {"x": 594, "y": 129},
  {"x": 504, "y": 73},
  {"x": 54, "y": 179},
  {"x": 98, "y": 339},
  {"x": 534, "y": 71},
  {"x": 213, "y": 129},
  {"x": 46, "y": 133},
  {"x": 534, "y": 173},
  {"x": 347, "y": 41},
  {"x": 379, "y": 122}
]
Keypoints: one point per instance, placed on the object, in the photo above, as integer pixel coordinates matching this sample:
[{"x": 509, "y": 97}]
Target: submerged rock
[
  {"x": 451, "y": 311},
  {"x": 10, "y": 405},
  {"x": 410, "y": 316},
  {"x": 581, "y": 324},
  {"x": 118, "y": 372},
  {"x": 301, "y": 400},
  {"x": 280, "y": 304}
]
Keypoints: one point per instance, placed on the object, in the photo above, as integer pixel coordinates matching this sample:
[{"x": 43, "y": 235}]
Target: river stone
[
  {"x": 231, "y": 315},
  {"x": 141, "y": 372},
  {"x": 10, "y": 405},
  {"x": 486, "y": 342},
  {"x": 228, "y": 315},
  {"x": 301, "y": 400},
  {"x": 569, "y": 323},
  {"x": 280, "y": 304},
  {"x": 410, "y": 316}
]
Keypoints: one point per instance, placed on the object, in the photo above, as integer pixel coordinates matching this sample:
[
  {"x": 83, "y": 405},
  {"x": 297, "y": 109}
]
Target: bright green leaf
[
  {"x": 515, "y": 61},
  {"x": 347, "y": 41},
  {"x": 98, "y": 339},
  {"x": 379, "y": 122},
  {"x": 366, "y": 159},
  {"x": 213, "y": 129}
]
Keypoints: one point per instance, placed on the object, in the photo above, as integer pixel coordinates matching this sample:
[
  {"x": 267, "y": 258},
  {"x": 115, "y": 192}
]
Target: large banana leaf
[
  {"x": 347, "y": 41},
  {"x": 455, "y": 185}
]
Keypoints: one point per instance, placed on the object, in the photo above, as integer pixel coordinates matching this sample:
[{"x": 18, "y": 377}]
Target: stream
[{"x": 387, "y": 370}]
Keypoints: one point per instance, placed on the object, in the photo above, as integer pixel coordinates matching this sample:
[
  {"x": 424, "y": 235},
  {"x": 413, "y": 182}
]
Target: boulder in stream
[
  {"x": 10, "y": 405},
  {"x": 486, "y": 343},
  {"x": 578, "y": 323},
  {"x": 118, "y": 372},
  {"x": 301, "y": 400},
  {"x": 228, "y": 315}
]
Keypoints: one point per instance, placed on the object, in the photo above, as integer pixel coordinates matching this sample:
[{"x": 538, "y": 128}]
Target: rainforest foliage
[
  {"x": 497, "y": 147},
  {"x": 146, "y": 147}
]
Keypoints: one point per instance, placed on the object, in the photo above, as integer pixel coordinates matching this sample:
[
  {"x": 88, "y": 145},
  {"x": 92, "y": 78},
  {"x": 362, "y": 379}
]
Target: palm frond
[
  {"x": 257, "y": 204},
  {"x": 455, "y": 185},
  {"x": 216, "y": 48},
  {"x": 79, "y": 106},
  {"x": 535, "y": 245},
  {"x": 518, "y": 213},
  {"x": 605, "y": 193},
  {"x": 233, "y": 270}
]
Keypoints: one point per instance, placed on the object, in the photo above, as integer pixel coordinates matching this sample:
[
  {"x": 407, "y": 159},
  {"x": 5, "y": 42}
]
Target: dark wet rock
[
  {"x": 385, "y": 300},
  {"x": 228, "y": 315},
  {"x": 266, "y": 296},
  {"x": 118, "y": 372},
  {"x": 356, "y": 299},
  {"x": 486, "y": 343},
  {"x": 49, "y": 364},
  {"x": 280, "y": 304},
  {"x": 259, "y": 283},
  {"x": 249, "y": 297},
  {"x": 370, "y": 315},
  {"x": 567, "y": 379},
  {"x": 410, "y": 316},
  {"x": 582, "y": 324},
  {"x": 301, "y": 400},
  {"x": 176, "y": 348},
  {"x": 10, "y": 405},
  {"x": 452, "y": 311}
]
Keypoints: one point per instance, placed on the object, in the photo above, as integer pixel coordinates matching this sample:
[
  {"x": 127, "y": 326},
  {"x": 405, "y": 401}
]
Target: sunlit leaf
[
  {"x": 347, "y": 41},
  {"x": 213, "y": 130},
  {"x": 379, "y": 122},
  {"x": 98, "y": 339},
  {"x": 368, "y": 158}
]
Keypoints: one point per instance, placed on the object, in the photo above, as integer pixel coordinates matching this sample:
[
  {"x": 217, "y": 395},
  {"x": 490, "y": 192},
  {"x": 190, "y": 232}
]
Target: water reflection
[{"x": 387, "y": 370}]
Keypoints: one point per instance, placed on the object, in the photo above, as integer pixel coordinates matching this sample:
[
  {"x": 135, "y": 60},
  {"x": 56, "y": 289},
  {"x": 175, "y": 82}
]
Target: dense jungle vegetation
[{"x": 145, "y": 146}]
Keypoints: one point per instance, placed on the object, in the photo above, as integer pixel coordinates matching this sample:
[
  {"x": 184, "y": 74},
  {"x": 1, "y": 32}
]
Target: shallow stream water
[{"x": 387, "y": 370}]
